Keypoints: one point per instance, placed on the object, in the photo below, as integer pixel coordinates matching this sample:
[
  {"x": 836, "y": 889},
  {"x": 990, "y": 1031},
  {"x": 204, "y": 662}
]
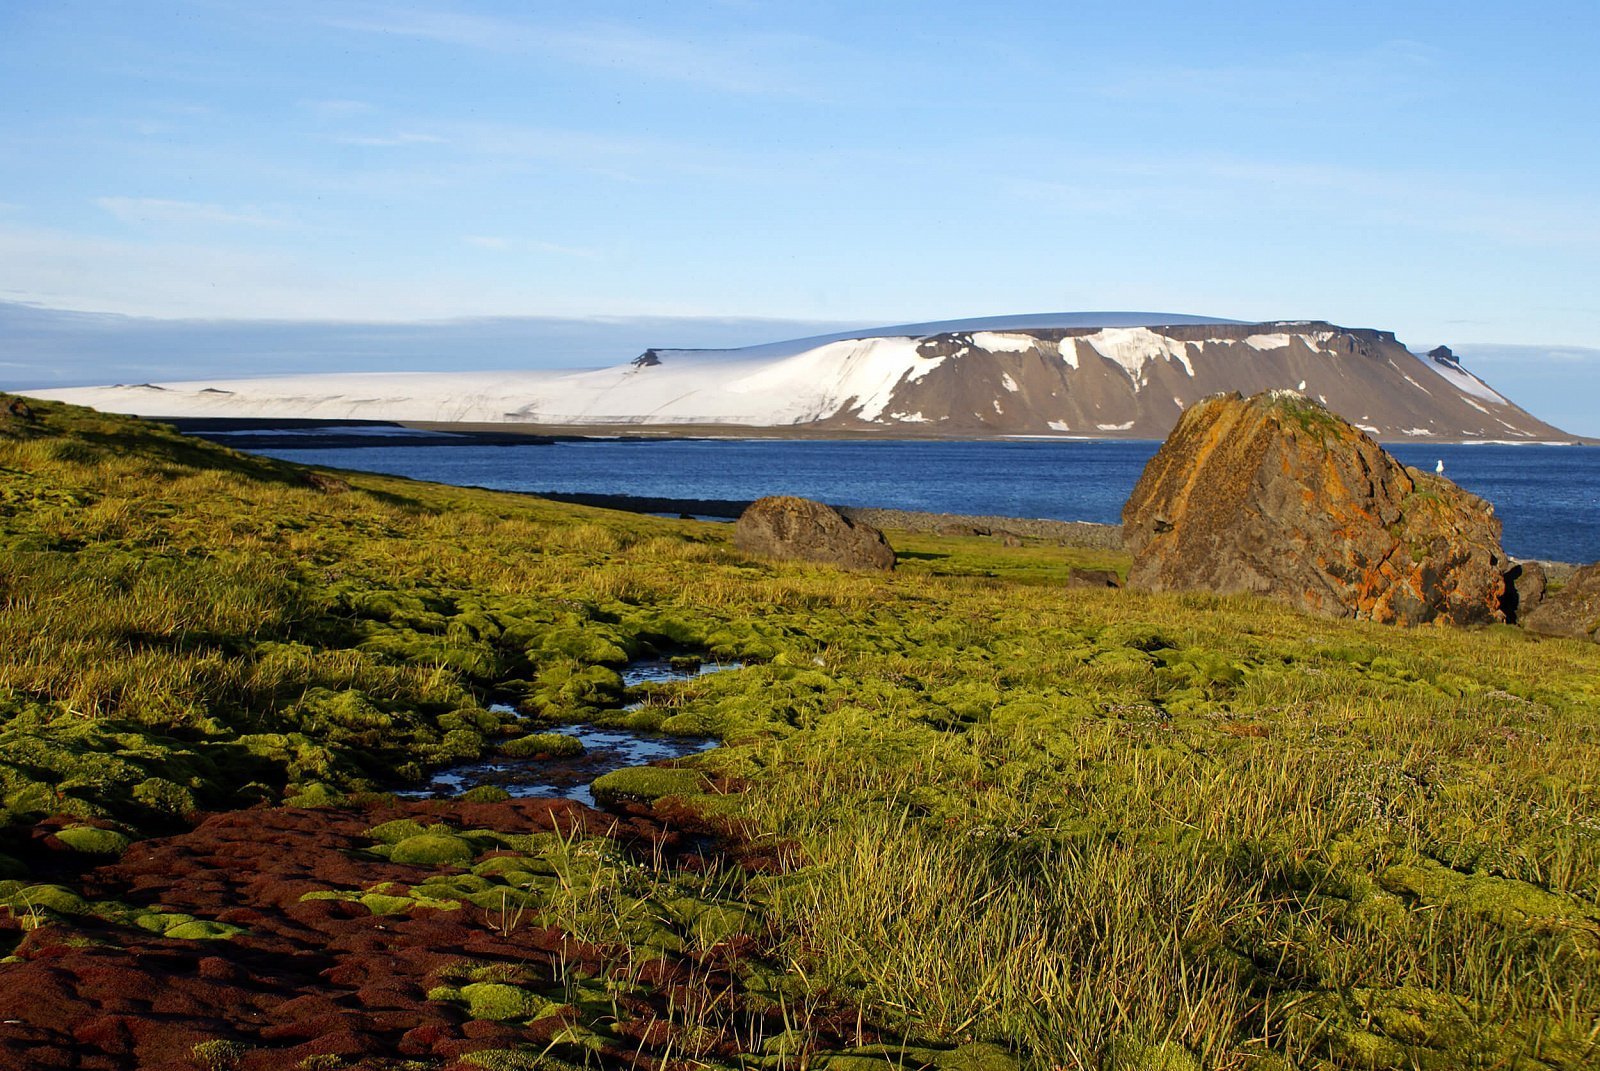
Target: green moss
[
  {"x": 710, "y": 921},
  {"x": 904, "y": 1057},
  {"x": 32, "y": 798},
  {"x": 501, "y": 897},
  {"x": 165, "y": 796},
  {"x": 219, "y": 1055},
  {"x": 327, "y": 894},
  {"x": 322, "y": 1061},
  {"x": 92, "y": 840},
  {"x": 516, "y": 1060},
  {"x": 57, "y": 898},
  {"x": 457, "y": 886},
  {"x": 1496, "y": 899},
  {"x": 503, "y": 865},
  {"x": 595, "y": 646},
  {"x": 315, "y": 795},
  {"x": 500, "y": 1002},
  {"x": 393, "y": 832},
  {"x": 204, "y": 930},
  {"x": 384, "y": 904},
  {"x": 976, "y": 1056},
  {"x": 485, "y": 794},
  {"x": 433, "y": 849},
  {"x": 645, "y": 784},
  {"x": 542, "y": 745},
  {"x": 322, "y": 710},
  {"x": 1160, "y": 1056},
  {"x": 422, "y": 900}
]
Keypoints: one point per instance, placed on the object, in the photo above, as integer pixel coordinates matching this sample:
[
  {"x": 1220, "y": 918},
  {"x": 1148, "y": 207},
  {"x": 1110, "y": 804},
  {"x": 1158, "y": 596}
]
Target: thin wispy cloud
[
  {"x": 1403, "y": 198},
  {"x": 233, "y": 280},
  {"x": 336, "y": 109},
  {"x": 502, "y": 244},
  {"x": 474, "y": 151},
  {"x": 399, "y": 140},
  {"x": 749, "y": 63},
  {"x": 160, "y": 210},
  {"x": 1513, "y": 355},
  {"x": 1388, "y": 71}
]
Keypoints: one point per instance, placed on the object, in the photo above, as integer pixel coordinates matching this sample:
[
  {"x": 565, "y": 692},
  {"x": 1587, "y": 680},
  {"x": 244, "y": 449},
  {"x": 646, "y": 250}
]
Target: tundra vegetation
[{"x": 1005, "y": 823}]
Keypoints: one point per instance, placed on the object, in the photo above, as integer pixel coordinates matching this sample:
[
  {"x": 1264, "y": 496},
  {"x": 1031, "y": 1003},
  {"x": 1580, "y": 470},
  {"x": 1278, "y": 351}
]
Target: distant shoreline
[
  {"x": 232, "y": 430},
  {"x": 253, "y": 433},
  {"x": 1070, "y": 533}
]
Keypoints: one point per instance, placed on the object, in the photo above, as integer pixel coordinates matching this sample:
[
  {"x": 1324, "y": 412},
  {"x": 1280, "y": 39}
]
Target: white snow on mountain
[
  {"x": 1133, "y": 348},
  {"x": 879, "y": 377},
  {"x": 1003, "y": 342},
  {"x": 686, "y": 387},
  {"x": 1462, "y": 380},
  {"x": 791, "y": 382}
]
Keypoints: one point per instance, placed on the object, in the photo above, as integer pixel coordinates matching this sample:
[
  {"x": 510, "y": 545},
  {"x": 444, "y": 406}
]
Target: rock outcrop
[
  {"x": 1525, "y": 588},
  {"x": 1572, "y": 611},
  {"x": 781, "y": 526},
  {"x": 1276, "y": 496}
]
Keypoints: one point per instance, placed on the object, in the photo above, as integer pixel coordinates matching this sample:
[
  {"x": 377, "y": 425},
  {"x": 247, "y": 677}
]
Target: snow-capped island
[{"x": 1099, "y": 375}]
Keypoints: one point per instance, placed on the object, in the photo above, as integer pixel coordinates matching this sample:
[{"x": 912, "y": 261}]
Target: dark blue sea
[{"x": 1547, "y": 496}]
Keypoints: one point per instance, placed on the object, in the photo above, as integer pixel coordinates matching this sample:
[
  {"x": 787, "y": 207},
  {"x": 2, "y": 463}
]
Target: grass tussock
[{"x": 1095, "y": 828}]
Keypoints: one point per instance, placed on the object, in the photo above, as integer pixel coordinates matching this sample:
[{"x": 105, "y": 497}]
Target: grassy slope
[{"x": 1101, "y": 828}]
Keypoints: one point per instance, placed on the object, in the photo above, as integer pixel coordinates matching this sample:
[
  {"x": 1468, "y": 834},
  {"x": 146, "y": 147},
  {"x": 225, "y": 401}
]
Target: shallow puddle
[
  {"x": 605, "y": 749},
  {"x": 662, "y": 671}
]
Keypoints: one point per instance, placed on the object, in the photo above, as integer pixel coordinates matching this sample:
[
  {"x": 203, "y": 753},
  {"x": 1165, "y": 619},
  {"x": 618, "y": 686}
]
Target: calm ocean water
[{"x": 1547, "y": 496}]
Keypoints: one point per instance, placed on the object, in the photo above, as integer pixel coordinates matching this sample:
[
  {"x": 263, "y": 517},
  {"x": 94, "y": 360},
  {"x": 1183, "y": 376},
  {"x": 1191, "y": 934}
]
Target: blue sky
[{"x": 1422, "y": 167}]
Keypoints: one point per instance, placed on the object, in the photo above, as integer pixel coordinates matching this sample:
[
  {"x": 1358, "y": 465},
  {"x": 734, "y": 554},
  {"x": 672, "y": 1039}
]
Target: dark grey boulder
[
  {"x": 781, "y": 526},
  {"x": 1525, "y": 587},
  {"x": 1572, "y": 611}
]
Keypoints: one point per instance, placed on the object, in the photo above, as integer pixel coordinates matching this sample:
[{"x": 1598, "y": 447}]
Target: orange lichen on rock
[{"x": 1276, "y": 496}]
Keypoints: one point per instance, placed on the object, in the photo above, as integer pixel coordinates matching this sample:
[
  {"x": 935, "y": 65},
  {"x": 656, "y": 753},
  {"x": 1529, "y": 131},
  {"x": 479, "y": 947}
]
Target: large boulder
[
  {"x": 1574, "y": 610},
  {"x": 1276, "y": 496},
  {"x": 1525, "y": 587},
  {"x": 781, "y": 526}
]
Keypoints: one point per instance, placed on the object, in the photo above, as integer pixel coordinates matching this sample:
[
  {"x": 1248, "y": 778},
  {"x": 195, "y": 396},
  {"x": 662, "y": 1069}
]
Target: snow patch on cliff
[
  {"x": 999, "y": 342},
  {"x": 1463, "y": 380}
]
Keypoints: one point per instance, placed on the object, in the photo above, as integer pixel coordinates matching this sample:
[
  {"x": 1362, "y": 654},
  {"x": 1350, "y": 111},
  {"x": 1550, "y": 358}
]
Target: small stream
[{"x": 604, "y": 749}]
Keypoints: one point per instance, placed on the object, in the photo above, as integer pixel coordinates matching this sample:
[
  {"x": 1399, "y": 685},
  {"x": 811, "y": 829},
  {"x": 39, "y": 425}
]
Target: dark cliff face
[
  {"x": 1137, "y": 383},
  {"x": 1275, "y": 496}
]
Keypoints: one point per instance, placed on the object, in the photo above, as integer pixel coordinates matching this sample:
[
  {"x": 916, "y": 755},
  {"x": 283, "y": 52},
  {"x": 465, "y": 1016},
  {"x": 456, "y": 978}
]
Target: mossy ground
[{"x": 1090, "y": 827}]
